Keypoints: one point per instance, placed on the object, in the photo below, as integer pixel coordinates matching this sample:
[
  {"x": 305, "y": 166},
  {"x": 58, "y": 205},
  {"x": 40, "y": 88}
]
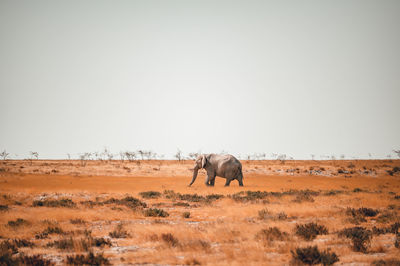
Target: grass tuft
[
  {"x": 119, "y": 232},
  {"x": 170, "y": 239}
]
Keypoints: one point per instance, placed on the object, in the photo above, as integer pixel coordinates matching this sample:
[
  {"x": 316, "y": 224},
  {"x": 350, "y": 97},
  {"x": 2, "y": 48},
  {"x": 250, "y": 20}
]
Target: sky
[{"x": 243, "y": 77}]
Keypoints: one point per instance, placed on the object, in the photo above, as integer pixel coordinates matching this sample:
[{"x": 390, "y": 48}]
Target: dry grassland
[{"x": 349, "y": 210}]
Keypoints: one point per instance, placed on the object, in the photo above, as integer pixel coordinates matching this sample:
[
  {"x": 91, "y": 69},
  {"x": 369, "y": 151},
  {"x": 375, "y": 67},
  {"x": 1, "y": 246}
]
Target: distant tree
[
  {"x": 141, "y": 153},
  {"x": 312, "y": 156},
  {"x": 178, "y": 155},
  {"x": 282, "y": 158},
  {"x": 34, "y": 155},
  {"x": 397, "y": 152},
  {"x": 69, "y": 156},
  {"x": 130, "y": 155},
  {"x": 342, "y": 156},
  {"x": 122, "y": 155},
  {"x": 4, "y": 154},
  {"x": 193, "y": 155}
]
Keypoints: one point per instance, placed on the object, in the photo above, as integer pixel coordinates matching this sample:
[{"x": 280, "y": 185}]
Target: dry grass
[{"x": 100, "y": 213}]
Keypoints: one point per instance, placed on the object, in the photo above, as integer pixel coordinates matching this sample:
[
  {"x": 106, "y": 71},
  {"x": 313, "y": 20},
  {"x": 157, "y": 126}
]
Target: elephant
[{"x": 226, "y": 166}]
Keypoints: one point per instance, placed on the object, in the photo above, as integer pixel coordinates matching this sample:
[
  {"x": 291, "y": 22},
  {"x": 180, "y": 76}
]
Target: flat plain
[{"x": 143, "y": 212}]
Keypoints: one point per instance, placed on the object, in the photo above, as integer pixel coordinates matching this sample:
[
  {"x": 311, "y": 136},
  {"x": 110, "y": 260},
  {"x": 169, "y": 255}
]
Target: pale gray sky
[{"x": 294, "y": 77}]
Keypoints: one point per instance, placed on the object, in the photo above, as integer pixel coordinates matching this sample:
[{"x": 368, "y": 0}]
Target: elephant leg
[
  {"x": 228, "y": 182},
  {"x": 209, "y": 180},
  {"x": 240, "y": 180},
  {"x": 212, "y": 181}
]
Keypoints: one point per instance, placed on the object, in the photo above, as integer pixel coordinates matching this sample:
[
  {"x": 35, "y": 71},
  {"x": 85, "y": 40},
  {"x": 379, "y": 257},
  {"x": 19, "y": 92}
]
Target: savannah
[{"x": 120, "y": 212}]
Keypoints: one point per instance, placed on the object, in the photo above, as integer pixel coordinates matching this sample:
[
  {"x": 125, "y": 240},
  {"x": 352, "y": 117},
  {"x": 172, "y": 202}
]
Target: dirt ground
[{"x": 60, "y": 209}]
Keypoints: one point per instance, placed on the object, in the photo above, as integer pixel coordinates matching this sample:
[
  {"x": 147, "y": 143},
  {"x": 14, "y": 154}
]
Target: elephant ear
[{"x": 203, "y": 161}]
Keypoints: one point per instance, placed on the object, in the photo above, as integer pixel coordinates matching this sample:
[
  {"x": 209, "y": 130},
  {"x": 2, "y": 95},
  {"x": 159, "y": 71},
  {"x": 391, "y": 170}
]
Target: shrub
[
  {"x": 213, "y": 197},
  {"x": 170, "y": 239},
  {"x": 386, "y": 216},
  {"x": 48, "y": 231},
  {"x": 395, "y": 170},
  {"x": 130, "y": 202},
  {"x": 245, "y": 196},
  {"x": 100, "y": 242},
  {"x": 150, "y": 194},
  {"x": 4, "y": 208},
  {"x": 270, "y": 234},
  {"x": 192, "y": 261},
  {"x": 119, "y": 232},
  {"x": 311, "y": 255},
  {"x": 18, "y": 222},
  {"x": 358, "y": 215},
  {"x": 281, "y": 216},
  {"x": 389, "y": 262},
  {"x": 77, "y": 221},
  {"x": 333, "y": 192},
  {"x": 303, "y": 197},
  {"x": 264, "y": 214},
  {"x": 154, "y": 212},
  {"x": 89, "y": 259},
  {"x": 186, "y": 215},
  {"x": 34, "y": 260},
  {"x": 64, "y": 244},
  {"x": 23, "y": 243},
  {"x": 182, "y": 204},
  {"x": 360, "y": 237},
  {"x": 310, "y": 231},
  {"x": 67, "y": 203},
  {"x": 8, "y": 247}
]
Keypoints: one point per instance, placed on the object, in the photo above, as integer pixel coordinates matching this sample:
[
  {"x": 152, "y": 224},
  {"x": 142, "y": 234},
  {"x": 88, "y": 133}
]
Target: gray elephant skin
[{"x": 226, "y": 166}]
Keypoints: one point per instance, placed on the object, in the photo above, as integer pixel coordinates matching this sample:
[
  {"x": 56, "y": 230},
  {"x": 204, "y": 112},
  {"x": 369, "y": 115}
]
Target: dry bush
[
  {"x": 358, "y": 215},
  {"x": 270, "y": 234},
  {"x": 150, "y": 194},
  {"x": 154, "y": 212},
  {"x": 192, "y": 261},
  {"x": 77, "y": 221},
  {"x": 67, "y": 203},
  {"x": 170, "y": 239},
  {"x": 130, "y": 202},
  {"x": 264, "y": 214},
  {"x": 119, "y": 232},
  {"x": 4, "y": 208},
  {"x": 186, "y": 215},
  {"x": 360, "y": 237},
  {"x": 252, "y": 196},
  {"x": 49, "y": 231},
  {"x": 311, "y": 256},
  {"x": 170, "y": 194},
  {"x": 89, "y": 259},
  {"x": 81, "y": 244},
  {"x": 310, "y": 231},
  {"x": 388, "y": 262},
  {"x": 181, "y": 204},
  {"x": 17, "y": 223}
]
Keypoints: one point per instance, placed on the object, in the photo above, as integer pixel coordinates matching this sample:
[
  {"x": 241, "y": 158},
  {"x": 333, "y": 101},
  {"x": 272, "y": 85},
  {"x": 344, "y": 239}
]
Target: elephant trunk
[{"x": 195, "y": 171}]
